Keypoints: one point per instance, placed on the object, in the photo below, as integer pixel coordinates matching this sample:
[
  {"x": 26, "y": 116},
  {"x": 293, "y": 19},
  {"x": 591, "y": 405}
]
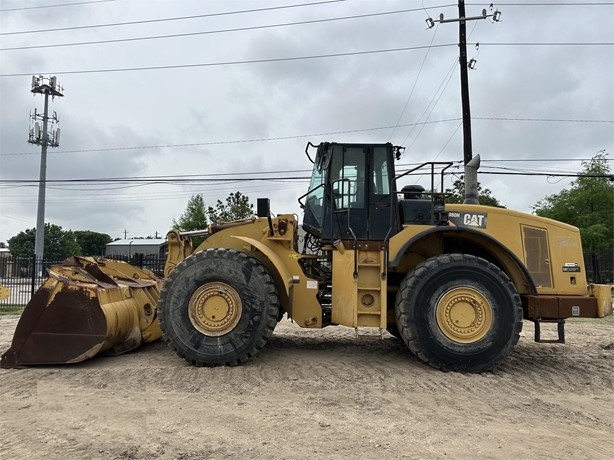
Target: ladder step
[
  {"x": 365, "y": 288},
  {"x": 560, "y": 329}
]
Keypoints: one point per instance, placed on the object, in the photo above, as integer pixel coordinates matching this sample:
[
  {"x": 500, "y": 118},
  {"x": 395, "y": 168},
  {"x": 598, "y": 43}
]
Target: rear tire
[
  {"x": 218, "y": 307},
  {"x": 459, "y": 312}
]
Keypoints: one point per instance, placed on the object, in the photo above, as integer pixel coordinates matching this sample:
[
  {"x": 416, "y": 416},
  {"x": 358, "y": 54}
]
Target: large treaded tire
[
  {"x": 431, "y": 292},
  {"x": 228, "y": 277}
]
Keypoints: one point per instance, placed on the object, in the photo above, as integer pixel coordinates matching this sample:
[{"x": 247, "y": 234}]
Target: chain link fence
[
  {"x": 24, "y": 275},
  {"x": 600, "y": 267}
]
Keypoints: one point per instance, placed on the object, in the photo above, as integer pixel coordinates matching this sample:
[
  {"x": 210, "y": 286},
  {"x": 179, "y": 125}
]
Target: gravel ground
[{"x": 321, "y": 394}]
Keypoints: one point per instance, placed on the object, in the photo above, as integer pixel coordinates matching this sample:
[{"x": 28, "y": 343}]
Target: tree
[
  {"x": 237, "y": 207},
  {"x": 91, "y": 243},
  {"x": 485, "y": 196},
  {"x": 589, "y": 205},
  {"x": 194, "y": 217},
  {"x": 59, "y": 244}
]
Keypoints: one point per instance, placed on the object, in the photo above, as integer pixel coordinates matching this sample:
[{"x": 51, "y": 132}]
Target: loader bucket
[{"x": 86, "y": 307}]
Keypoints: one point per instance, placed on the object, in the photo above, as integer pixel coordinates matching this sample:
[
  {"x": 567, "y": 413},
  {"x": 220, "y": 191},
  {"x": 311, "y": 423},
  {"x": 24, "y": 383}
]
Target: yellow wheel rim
[
  {"x": 464, "y": 314},
  {"x": 215, "y": 309}
]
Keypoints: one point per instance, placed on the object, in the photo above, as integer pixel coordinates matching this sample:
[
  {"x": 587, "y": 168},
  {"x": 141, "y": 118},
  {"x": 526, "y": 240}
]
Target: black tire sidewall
[
  {"x": 422, "y": 332},
  {"x": 258, "y": 298}
]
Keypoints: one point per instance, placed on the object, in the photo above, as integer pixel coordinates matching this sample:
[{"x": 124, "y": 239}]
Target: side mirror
[{"x": 263, "y": 206}]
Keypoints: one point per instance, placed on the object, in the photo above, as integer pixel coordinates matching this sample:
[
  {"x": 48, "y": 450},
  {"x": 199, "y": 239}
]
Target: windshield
[{"x": 314, "y": 209}]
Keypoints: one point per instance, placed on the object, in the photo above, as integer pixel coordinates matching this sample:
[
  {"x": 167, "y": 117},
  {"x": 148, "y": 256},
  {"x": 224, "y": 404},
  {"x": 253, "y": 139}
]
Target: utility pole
[
  {"x": 464, "y": 78},
  {"x": 44, "y": 136},
  {"x": 470, "y": 170}
]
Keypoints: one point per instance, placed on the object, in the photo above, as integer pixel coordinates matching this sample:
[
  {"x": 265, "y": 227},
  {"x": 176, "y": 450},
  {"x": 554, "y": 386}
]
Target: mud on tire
[
  {"x": 458, "y": 312},
  {"x": 218, "y": 307}
]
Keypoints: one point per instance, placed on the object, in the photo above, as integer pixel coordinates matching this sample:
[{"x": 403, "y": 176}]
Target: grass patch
[{"x": 11, "y": 309}]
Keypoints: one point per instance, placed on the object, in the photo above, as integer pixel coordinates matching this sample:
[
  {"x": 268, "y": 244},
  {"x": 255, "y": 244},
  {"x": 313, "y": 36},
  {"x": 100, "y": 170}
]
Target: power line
[
  {"x": 543, "y": 43},
  {"x": 411, "y": 93},
  {"x": 195, "y": 180},
  {"x": 254, "y": 10},
  {"x": 161, "y": 180},
  {"x": 200, "y": 16},
  {"x": 435, "y": 99},
  {"x": 267, "y": 174},
  {"x": 176, "y": 18},
  {"x": 332, "y": 133},
  {"x": 544, "y": 120},
  {"x": 532, "y": 160},
  {"x": 543, "y": 174},
  {"x": 218, "y": 64},
  {"x": 208, "y": 32},
  {"x": 236, "y": 141},
  {"x": 54, "y": 6},
  {"x": 257, "y": 175},
  {"x": 548, "y": 4},
  {"x": 282, "y": 59}
]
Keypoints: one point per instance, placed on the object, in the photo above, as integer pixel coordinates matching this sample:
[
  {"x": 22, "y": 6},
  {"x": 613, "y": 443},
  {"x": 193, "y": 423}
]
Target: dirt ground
[{"x": 318, "y": 395}]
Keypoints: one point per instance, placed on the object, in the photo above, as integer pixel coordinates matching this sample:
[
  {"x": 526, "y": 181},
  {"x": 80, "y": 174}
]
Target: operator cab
[{"x": 352, "y": 194}]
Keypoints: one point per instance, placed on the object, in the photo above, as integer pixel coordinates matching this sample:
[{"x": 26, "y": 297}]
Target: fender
[
  {"x": 283, "y": 271},
  {"x": 476, "y": 236}
]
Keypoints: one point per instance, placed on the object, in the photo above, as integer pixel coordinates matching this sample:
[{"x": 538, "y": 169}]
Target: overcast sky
[{"x": 542, "y": 90}]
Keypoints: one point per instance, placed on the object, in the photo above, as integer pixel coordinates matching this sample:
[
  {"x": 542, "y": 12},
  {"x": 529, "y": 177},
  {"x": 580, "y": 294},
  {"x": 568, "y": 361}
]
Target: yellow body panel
[
  {"x": 278, "y": 254},
  {"x": 372, "y": 289},
  {"x": 562, "y": 243},
  {"x": 550, "y": 250},
  {"x": 345, "y": 293}
]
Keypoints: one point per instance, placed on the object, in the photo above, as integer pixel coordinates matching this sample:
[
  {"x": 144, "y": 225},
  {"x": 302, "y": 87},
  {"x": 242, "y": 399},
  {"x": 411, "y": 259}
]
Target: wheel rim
[
  {"x": 464, "y": 314},
  {"x": 215, "y": 309}
]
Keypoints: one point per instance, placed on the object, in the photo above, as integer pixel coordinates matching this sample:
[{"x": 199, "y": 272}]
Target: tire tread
[
  {"x": 406, "y": 315},
  {"x": 270, "y": 321}
]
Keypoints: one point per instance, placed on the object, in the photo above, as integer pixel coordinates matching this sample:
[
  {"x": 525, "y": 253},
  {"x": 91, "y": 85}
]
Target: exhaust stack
[{"x": 471, "y": 181}]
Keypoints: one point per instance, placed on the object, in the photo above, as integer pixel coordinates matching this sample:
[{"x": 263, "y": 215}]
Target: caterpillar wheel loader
[{"x": 452, "y": 281}]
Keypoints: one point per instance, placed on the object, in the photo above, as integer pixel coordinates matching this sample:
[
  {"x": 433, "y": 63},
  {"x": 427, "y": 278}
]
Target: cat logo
[
  {"x": 475, "y": 220},
  {"x": 469, "y": 219}
]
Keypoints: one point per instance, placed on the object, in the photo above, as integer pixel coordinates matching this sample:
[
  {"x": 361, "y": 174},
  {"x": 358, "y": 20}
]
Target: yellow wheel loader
[{"x": 453, "y": 282}]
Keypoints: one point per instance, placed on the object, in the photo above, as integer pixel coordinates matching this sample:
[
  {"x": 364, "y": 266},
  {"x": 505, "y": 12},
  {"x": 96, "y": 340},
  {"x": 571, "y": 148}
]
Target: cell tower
[{"x": 45, "y": 135}]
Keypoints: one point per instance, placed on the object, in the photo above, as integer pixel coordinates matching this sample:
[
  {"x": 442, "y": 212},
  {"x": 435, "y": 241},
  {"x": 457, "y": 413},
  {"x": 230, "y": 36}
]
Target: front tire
[
  {"x": 218, "y": 307},
  {"x": 459, "y": 312}
]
